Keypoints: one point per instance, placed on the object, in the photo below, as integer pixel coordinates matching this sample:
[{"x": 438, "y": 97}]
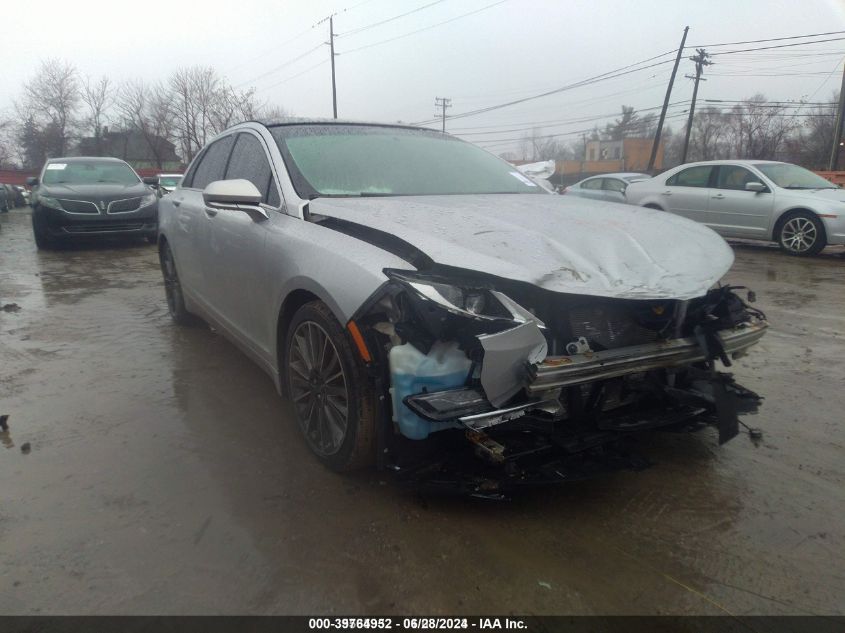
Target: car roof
[
  {"x": 169, "y": 175},
  {"x": 743, "y": 161},
  {"x": 79, "y": 159},
  {"x": 618, "y": 174},
  {"x": 318, "y": 121}
]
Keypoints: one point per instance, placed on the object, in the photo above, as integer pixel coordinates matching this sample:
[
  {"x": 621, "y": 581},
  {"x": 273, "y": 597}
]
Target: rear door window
[
  {"x": 594, "y": 183},
  {"x": 698, "y": 176},
  {"x": 212, "y": 164}
]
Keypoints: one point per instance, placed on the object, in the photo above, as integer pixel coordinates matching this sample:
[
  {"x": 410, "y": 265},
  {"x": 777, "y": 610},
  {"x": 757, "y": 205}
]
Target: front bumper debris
[{"x": 567, "y": 371}]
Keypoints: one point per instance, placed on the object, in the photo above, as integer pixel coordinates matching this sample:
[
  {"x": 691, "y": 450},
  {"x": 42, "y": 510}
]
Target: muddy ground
[{"x": 164, "y": 475}]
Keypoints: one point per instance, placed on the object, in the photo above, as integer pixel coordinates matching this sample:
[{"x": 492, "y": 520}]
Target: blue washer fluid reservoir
[{"x": 412, "y": 372}]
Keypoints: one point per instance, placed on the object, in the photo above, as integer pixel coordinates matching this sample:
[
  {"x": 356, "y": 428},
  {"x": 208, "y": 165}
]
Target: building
[
  {"x": 627, "y": 154},
  {"x": 134, "y": 147}
]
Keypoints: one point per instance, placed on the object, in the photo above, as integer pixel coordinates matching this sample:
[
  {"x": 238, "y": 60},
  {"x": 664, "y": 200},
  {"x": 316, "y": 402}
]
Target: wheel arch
[{"x": 785, "y": 215}]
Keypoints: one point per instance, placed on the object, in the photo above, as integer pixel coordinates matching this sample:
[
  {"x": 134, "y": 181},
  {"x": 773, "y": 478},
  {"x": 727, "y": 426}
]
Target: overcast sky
[{"x": 514, "y": 49}]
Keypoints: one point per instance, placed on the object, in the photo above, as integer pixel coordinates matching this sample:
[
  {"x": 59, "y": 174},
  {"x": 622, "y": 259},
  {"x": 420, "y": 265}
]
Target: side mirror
[
  {"x": 234, "y": 195},
  {"x": 756, "y": 187},
  {"x": 32, "y": 181},
  {"x": 152, "y": 181}
]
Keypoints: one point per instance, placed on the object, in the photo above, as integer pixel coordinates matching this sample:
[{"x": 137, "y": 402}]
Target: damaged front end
[{"x": 512, "y": 385}]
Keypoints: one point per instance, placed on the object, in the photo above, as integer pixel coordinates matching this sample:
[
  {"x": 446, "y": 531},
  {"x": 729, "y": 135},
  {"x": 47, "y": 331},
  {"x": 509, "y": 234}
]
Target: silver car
[
  {"x": 429, "y": 309},
  {"x": 610, "y": 187},
  {"x": 753, "y": 199}
]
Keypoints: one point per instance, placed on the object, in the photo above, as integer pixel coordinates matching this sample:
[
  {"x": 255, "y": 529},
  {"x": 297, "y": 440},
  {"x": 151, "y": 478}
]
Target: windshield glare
[
  {"x": 362, "y": 160},
  {"x": 793, "y": 177},
  {"x": 89, "y": 172}
]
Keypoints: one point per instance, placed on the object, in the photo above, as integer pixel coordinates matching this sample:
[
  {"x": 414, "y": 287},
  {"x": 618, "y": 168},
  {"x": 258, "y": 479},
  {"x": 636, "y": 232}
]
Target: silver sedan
[
  {"x": 753, "y": 199},
  {"x": 428, "y": 308},
  {"x": 609, "y": 187}
]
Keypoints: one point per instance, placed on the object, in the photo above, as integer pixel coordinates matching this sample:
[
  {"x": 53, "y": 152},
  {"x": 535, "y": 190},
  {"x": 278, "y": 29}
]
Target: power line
[
  {"x": 395, "y": 17},
  {"x": 426, "y": 28},
  {"x": 565, "y": 121},
  {"x": 299, "y": 74},
  {"x": 771, "y": 39},
  {"x": 279, "y": 67},
  {"x": 577, "y": 84},
  {"x": 766, "y": 48}
]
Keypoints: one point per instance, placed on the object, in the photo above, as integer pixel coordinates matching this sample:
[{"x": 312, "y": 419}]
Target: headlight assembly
[
  {"x": 47, "y": 201},
  {"x": 463, "y": 299}
]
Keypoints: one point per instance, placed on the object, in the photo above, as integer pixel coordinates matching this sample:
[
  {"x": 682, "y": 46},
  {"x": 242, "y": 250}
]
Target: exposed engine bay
[{"x": 495, "y": 383}]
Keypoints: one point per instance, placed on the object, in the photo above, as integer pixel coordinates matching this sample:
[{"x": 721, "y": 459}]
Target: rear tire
[
  {"x": 802, "y": 234},
  {"x": 173, "y": 289},
  {"x": 326, "y": 382}
]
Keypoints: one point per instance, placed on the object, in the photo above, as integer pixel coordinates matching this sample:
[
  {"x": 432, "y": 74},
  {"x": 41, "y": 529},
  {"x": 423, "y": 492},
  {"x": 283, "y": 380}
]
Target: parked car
[
  {"x": 609, "y": 187},
  {"x": 427, "y": 307},
  {"x": 168, "y": 182},
  {"x": 754, "y": 199},
  {"x": 80, "y": 196},
  {"x": 11, "y": 195},
  {"x": 6, "y": 200},
  {"x": 21, "y": 196}
]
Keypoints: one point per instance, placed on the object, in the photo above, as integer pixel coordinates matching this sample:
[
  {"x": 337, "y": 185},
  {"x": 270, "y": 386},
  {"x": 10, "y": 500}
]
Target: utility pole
[
  {"x": 442, "y": 103},
  {"x": 331, "y": 46},
  {"x": 657, "y": 134},
  {"x": 837, "y": 133},
  {"x": 700, "y": 59}
]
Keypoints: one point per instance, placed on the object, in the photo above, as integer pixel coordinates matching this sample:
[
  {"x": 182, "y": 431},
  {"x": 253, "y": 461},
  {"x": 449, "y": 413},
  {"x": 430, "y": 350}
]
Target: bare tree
[
  {"x": 147, "y": 110},
  {"x": 53, "y": 96},
  {"x": 811, "y": 145},
  {"x": 98, "y": 97},
  {"x": 758, "y": 129},
  {"x": 707, "y": 138}
]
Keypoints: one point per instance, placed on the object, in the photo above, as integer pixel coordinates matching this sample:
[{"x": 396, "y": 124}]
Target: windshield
[
  {"x": 367, "y": 160},
  {"x": 89, "y": 172},
  {"x": 169, "y": 181},
  {"x": 794, "y": 177}
]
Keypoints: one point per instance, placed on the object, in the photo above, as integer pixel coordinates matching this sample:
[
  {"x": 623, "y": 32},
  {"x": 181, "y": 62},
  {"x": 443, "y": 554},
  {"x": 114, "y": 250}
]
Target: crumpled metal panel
[
  {"x": 503, "y": 371},
  {"x": 571, "y": 245}
]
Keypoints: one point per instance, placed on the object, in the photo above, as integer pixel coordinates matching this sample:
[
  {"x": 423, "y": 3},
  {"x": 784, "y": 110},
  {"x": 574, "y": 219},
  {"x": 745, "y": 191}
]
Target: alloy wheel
[
  {"x": 799, "y": 235},
  {"x": 318, "y": 388}
]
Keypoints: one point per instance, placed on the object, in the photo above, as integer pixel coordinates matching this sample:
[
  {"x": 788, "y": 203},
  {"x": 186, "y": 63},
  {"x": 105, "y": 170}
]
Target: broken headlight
[{"x": 464, "y": 299}]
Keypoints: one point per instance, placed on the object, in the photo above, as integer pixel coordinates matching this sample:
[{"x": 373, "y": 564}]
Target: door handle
[
  {"x": 176, "y": 202},
  {"x": 210, "y": 212},
  {"x": 667, "y": 193},
  {"x": 718, "y": 196}
]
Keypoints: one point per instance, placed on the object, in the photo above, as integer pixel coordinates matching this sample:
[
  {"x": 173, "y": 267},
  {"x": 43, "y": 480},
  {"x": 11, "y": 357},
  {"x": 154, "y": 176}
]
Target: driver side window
[{"x": 734, "y": 177}]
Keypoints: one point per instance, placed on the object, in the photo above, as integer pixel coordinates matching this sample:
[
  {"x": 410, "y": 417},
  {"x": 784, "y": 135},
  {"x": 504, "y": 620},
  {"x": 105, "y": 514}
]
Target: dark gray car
[{"x": 81, "y": 196}]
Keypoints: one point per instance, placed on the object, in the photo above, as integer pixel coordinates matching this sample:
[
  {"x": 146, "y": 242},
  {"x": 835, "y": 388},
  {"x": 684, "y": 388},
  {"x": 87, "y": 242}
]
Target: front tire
[
  {"x": 173, "y": 289},
  {"x": 43, "y": 241},
  {"x": 327, "y": 384},
  {"x": 802, "y": 234}
]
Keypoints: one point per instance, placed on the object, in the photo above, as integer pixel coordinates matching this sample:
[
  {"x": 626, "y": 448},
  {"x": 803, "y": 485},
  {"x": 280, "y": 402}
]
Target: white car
[
  {"x": 610, "y": 187},
  {"x": 754, "y": 199}
]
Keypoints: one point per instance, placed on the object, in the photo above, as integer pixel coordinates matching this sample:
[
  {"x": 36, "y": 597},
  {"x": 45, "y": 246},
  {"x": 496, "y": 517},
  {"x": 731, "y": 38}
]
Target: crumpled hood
[{"x": 570, "y": 245}]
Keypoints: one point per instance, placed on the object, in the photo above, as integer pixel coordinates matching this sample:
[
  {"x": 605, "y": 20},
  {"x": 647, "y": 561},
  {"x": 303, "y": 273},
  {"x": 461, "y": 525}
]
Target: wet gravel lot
[{"x": 164, "y": 475}]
